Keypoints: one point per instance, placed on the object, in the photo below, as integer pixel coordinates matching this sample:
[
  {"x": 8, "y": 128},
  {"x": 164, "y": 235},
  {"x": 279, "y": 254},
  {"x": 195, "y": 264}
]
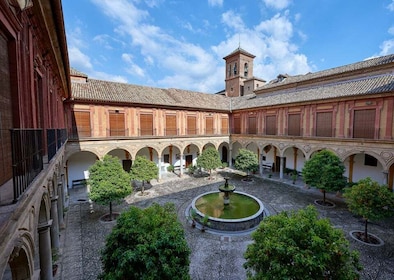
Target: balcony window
[
  {"x": 294, "y": 125},
  {"x": 270, "y": 125},
  {"x": 364, "y": 124},
  {"x": 324, "y": 124},
  {"x": 116, "y": 124}
]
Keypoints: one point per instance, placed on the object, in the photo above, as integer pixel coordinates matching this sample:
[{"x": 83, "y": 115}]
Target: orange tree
[
  {"x": 146, "y": 244},
  {"x": 108, "y": 182},
  {"x": 325, "y": 172},
  {"x": 209, "y": 159},
  {"x": 369, "y": 200},
  {"x": 298, "y": 245}
]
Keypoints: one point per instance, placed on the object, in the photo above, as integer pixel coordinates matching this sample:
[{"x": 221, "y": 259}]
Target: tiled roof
[
  {"x": 369, "y": 85},
  {"x": 333, "y": 71},
  {"x": 240, "y": 50},
  {"x": 76, "y": 73},
  {"x": 104, "y": 91}
]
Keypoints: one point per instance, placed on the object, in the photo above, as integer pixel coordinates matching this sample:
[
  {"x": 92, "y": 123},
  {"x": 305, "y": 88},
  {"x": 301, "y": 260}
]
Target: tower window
[
  {"x": 246, "y": 69},
  {"x": 229, "y": 70},
  {"x": 235, "y": 68}
]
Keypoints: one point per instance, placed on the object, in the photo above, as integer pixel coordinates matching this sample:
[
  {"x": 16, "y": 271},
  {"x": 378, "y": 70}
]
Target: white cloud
[
  {"x": 387, "y": 47},
  {"x": 215, "y": 3},
  {"x": 78, "y": 59},
  {"x": 277, "y": 4},
  {"x": 391, "y": 6}
]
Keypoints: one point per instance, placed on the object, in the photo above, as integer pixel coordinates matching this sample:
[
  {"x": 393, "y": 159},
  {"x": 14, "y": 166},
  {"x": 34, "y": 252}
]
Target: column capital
[{"x": 44, "y": 226}]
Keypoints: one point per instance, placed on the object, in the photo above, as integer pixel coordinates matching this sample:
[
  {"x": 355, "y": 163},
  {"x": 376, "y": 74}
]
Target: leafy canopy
[
  {"x": 370, "y": 200},
  {"x": 143, "y": 169},
  {"x": 246, "y": 161},
  {"x": 298, "y": 245},
  {"x": 108, "y": 181},
  {"x": 146, "y": 244},
  {"x": 324, "y": 171},
  {"x": 209, "y": 159}
]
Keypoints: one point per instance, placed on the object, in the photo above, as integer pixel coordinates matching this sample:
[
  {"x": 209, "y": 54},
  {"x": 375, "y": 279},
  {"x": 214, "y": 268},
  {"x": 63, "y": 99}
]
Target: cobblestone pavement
[{"x": 214, "y": 255}]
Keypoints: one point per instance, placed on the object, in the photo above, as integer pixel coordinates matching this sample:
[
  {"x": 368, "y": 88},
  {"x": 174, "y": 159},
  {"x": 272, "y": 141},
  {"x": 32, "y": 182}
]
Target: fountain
[{"x": 227, "y": 209}]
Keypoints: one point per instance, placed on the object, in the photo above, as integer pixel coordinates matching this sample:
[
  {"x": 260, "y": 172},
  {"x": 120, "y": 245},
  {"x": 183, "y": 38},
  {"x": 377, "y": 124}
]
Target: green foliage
[
  {"x": 370, "y": 200},
  {"x": 324, "y": 171},
  {"x": 298, "y": 245},
  {"x": 209, "y": 159},
  {"x": 192, "y": 169},
  {"x": 170, "y": 168},
  {"x": 143, "y": 170},
  {"x": 246, "y": 161},
  {"x": 108, "y": 181},
  {"x": 146, "y": 244}
]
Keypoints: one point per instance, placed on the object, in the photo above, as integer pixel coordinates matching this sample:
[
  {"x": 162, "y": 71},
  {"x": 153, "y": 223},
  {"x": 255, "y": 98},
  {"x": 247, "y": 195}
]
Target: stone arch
[
  {"x": 318, "y": 148},
  {"x": 72, "y": 151},
  {"x": 358, "y": 163},
  {"x": 20, "y": 262},
  {"x": 224, "y": 151},
  {"x": 78, "y": 166},
  {"x": 124, "y": 156},
  {"x": 209, "y": 144},
  {"x": 235, "y": 147},
  {"x": 191, "y": 152},
  {"x": 295, "y": 157},
  {"x": 149, "y": 152}
]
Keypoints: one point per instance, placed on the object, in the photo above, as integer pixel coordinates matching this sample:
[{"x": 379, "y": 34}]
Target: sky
[{"x": 181, "y": 43}]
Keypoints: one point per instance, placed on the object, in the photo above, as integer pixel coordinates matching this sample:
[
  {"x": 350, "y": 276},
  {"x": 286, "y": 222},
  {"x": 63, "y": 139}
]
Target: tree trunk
[
  {"x": 365, "y": 230},
  {"x": 110, "y": 210},
  {"x": 143, "y": 187}
]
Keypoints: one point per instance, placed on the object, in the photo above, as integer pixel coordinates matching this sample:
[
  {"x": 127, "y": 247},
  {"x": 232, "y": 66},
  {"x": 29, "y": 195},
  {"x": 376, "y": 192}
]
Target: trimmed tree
[
  {"x": 325, "y": 172},
  {"x": 299, "y": 245},
  {"x": 246, "y": 161},
  {"x": 108, "y": 182},
  {"x": 209, "y": 159},
  {"x": 146, "y": 244},
  {"x": 143, "y": 170},
  {"x": 371, "y": 201}
]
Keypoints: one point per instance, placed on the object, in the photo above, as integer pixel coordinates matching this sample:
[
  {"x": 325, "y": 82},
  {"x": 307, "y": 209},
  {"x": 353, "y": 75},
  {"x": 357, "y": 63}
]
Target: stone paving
[{"x": 214, "y": 255}]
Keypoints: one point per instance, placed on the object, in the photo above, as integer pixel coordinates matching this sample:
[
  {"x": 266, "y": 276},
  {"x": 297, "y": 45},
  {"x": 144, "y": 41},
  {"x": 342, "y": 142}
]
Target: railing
[
  {"x": 55, "y": 139},
  {"x": 117, "y": 132},
  {"x": 27, "y": 154},
  {"x": 170, "y": 132}
]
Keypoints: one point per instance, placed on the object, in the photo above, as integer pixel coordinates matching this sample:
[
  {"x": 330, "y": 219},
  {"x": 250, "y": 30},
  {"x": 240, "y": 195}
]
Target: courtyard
[{"x": 215, "y": 255}]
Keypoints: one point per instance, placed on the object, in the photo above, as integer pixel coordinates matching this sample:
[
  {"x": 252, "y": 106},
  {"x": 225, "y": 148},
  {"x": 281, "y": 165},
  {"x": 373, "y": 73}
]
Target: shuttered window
[
  {"x": 171, "y": 125},
  {"x": 294, "y": 125},
  {"x": 252, "y": 125},
  {"x": 208, "y": 125},
  {"x": 364, "y": 124},
  {"x": 324, "y": 124},
  {"x": 224, "y": 125},
  {"x": 146, "y": 124},
  {"x": 81, "y": 124},
  {"x": 5, "y": 113},
  {"x": 116, "y": 124},
  {"x": 237, "y": 125},
  {"x": 270, "y": 125},
  {"x": 191, "y": 125}
]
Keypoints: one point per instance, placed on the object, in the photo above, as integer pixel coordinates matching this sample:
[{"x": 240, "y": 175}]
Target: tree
[
  {"x": 146, "y": 244},
  {"x": 246, "y": 161},
  {"x": 209, "y": 159},
  {"x": 143, "y": 170},
  {"x": 298, "y": 245},
  {"x": 371, "y": 201},
  {"x": 108, "y": 182},
  {"x": 325, "y": 172}
]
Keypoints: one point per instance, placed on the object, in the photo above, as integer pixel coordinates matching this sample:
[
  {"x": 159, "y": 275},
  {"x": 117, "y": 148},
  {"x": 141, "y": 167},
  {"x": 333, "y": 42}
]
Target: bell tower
[{"x": 239, "y": 67}]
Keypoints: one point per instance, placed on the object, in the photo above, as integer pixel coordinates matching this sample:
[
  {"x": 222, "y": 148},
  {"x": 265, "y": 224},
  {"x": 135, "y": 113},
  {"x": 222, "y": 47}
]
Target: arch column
[
  {"x": 385, "y": 177},
  {"x": 55, "y": 223},
  {"x": 159, "y": 165},
  {"x": 351, "y": 167},
  {"x": 60, "y": 208},
  {"x": 261, "y": 165},
  {"x": 181, "y": 164},
  {"x": 230, "y": 155},
  {"x": 281, "y": 167},
  {"x": 45, "y": 251}
]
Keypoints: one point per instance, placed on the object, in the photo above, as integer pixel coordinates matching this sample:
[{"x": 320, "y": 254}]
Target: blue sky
[{"x": 181, "y": 43}]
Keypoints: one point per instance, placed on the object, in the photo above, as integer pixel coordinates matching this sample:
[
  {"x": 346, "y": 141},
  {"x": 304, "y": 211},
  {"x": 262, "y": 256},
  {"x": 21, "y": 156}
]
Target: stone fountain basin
[{"x": 232, "y": 225}]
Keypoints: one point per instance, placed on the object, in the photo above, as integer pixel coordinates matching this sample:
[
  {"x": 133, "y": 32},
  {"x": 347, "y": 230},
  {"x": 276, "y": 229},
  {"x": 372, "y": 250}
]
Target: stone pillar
[
  {"x": 45, "y": 251},
  {"x": 261, "y": 165},
  {"x": 230, "y": 162},
  {"x": 385, "y": 177},
  {"x": 159, "y": 165},
  {"x": 351, "y": 165},
  {"x": 55, "y": 223},
  {"x": 281, "y": 168},
  {"x": 181, "y": 164},
  {"x": 60, "y": 204}
]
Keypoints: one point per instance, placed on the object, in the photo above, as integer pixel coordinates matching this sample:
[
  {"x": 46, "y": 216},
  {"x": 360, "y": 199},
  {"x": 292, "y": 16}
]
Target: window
[
  {"x": 81, "y": 124},
  {"x": 252, "y": 125},
  {"x": 191, "y": 125},
  {"x": 224, "y": 126},
  {"x": 294, "y": 125},
  {"x": 370, "y": 160},
  {"x": 237, "y": 125},
  {"x": 364, "y": 124},
  {"x": 270, "y": 125},
  {"x": 116, "y": 124},
  {"x": 146, "y": 124},
  {"x": 229, "y": 70},
  {"x": 246, "y": 69},
  {"x": 324, "y": 124},
  {"x": 209, "y": 125},
  {"x": 171, "y": 125},
  {"x": 166, "y": 158},
  {"x": 235, "y": 69}
]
